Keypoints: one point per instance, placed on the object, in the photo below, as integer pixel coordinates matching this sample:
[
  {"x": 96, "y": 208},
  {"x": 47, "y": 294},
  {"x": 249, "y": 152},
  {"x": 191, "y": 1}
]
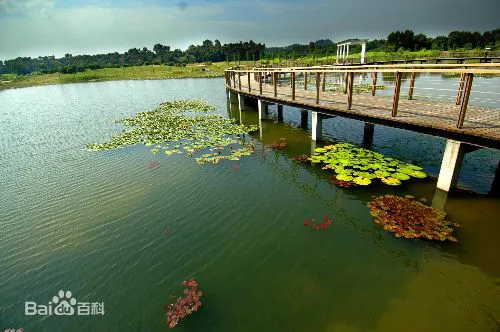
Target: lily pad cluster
[
  {"x": 359, "y": 88},
  {"x": 361, "y": 166},
  {"x": 411, "y": 219},
  {"x": 183, "y": 126},
  {"x": 185, "y": 305}
]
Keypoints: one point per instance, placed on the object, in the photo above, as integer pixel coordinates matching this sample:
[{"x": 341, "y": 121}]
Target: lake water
[{"x": 110, "y": 229}]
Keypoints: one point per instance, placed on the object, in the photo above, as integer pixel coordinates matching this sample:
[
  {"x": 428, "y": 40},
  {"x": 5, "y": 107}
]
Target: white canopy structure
[{"x": 343, "y": 49}]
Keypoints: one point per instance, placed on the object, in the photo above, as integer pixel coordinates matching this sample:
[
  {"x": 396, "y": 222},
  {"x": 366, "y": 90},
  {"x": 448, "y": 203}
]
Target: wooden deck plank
[{"x": 481, "y": 122}]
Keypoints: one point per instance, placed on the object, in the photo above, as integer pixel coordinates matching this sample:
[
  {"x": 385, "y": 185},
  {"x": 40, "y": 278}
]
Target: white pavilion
[{"x": 343, "y": 49}]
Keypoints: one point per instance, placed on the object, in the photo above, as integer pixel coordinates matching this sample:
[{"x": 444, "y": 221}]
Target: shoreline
[{"x": 35, "y": 84}]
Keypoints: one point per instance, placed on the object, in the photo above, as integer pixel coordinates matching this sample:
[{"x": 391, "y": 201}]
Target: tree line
[
  {"x": 214, "y": 51},
  {"x": 396, "y": 41},
  {"x": 161, "y": 54}
]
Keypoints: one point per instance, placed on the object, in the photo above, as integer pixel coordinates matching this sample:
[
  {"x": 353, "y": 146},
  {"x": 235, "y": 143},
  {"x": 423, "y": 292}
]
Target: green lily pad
[
  {"x": 362, "y": 181},
  {"x": 391, "y": 181},
  {"x": 400, "y": 176},
  {"x": 344, "y": 177}
]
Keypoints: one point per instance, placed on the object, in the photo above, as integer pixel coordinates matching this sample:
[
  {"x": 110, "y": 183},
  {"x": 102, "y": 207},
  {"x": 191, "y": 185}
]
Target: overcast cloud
[{"x": 55, "y": 27}]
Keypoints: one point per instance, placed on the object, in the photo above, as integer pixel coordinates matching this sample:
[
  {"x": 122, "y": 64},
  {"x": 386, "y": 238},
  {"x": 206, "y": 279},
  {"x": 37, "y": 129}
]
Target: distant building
[{"x": 343, "y": 49}]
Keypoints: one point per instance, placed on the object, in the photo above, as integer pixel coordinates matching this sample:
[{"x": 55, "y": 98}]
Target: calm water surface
[{"x": 110, "y": 229}]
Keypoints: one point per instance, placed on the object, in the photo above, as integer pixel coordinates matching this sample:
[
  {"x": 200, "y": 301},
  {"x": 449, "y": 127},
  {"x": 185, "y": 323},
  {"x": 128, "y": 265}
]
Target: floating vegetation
[
  {"x": 171, "y": 129},
  {"x": 407, "y": 217},
  {"x": 153, "y": 164},
  {"x": 324, "y": 225},
  {"x": 301, "y": 159},
  {"x": 341, "y": 183},
  {"x": 281, "y": 144},
  {"x": 362, "y": 167},
  {"x": 361, "y": 88},
  {"x": 185, "y": 305}
]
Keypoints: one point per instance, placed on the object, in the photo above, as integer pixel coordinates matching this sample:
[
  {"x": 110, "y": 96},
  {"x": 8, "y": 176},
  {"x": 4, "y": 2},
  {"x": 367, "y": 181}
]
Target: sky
[{"x": 55, "y": 27}]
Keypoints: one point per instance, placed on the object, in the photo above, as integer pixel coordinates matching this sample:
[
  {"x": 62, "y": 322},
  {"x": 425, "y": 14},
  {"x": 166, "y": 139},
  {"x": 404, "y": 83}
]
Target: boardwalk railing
[{"x": 329, "y": 83}]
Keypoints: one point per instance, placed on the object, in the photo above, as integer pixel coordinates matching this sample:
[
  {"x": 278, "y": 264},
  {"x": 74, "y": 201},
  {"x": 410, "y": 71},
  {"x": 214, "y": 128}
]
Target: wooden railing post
[
  {"x": 465, "y": 99},
  {"x": 324, "y": 82},
  {"x": 395, "y": 99},
  {"x": 346, "y": 79},
  {"x": 350, "y": 79},
  {"x": 234, "y": 79},
  {"x": 260, "y": 84},
  {"x": 249, "y": 87},
  {"x": 318, "y": 80},
  {"x": 275, "y": 79},
  {"x": 412, "y": 84},
  {"x": 305, "y": 80},
  {"x": 239, "y": 80},
  {"x": 460, "y": 89},
  {"x": 293, "y": 85},
  {"x": 374, "y": 83}
]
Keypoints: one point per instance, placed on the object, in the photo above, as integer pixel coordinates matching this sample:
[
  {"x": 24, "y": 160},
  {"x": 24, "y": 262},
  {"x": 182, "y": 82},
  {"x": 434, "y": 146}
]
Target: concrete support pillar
[
  {"x": 363, "y": 52},
  {"x": 280, "y": 113},
  {"x": 347, "y": 53},
  {"x": 338, "y": 52},
  {"x": 233, "y": 97},
  {"x": 495, "y": 185},
  {"x": 450, "y": 166},
  {"x": 317, "y": 126},
  {"x": 368, "y": 135},
  {"x": 241, "y": 101},
  {"x": 263, "y": 109},
  {"x": 439, "y": 199},
  {"x": 303, "y": 119},
  {"x": 313, "y": 147}
]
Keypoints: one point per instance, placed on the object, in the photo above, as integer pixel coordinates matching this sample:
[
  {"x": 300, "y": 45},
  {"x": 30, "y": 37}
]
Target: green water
[{"x": 110, "y": 229}]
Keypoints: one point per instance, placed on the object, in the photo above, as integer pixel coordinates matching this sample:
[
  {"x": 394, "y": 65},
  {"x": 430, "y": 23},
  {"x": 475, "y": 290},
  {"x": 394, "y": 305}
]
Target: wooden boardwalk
[{"x": 480, "y": 127}]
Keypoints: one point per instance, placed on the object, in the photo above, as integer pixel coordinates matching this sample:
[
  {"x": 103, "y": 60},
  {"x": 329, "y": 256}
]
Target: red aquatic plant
[
  {"x": 236, "y": 167},
  {"x": 185, "y": 305},
  {"x": 324, "y": 225},
  {"x": 410, "y": 219},
  {"x": 281, "y": 144},
  {"x": 340, "y": 183},
  {"x": 153, "y": 164},
  {"x": 301, "y": 159}
]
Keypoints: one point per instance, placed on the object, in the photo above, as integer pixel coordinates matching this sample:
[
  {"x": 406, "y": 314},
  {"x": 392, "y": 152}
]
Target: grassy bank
[
  {"x": 151, "y": 72},
  {"x": 377, "y": 56}
]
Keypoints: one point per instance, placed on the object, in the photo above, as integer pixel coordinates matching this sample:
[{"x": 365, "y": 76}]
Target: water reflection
[{"x": 313, "y": 181}]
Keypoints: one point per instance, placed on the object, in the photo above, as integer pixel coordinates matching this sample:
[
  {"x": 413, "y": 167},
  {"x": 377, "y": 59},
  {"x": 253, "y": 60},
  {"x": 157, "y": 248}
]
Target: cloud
[
  {"x": 26, "y": 7},
  {"x": 46, "y": 27}
]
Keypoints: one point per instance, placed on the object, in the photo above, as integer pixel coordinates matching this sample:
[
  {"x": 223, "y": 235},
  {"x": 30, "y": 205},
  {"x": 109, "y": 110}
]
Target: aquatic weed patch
[
  {"x": 185, "y": 305},
  {"x": 411, "y": 219},
  {"x": 183, "y": 127},
  {"x": 301, "y": 159},
  {"x": 312, "y": 223},
  {"x": 361, "y": 166},
  {"x": 281, "y": 144},
  {"x": 359, "y": 88}
]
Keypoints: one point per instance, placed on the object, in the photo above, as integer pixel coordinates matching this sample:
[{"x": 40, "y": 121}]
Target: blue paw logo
[{"x": 64, "y": 304}]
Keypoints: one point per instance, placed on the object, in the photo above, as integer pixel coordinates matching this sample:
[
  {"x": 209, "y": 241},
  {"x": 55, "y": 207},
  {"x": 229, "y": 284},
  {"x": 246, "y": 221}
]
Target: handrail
[
  {"x": 372, "y": 70},
  {"x": 467, "y": 72}
]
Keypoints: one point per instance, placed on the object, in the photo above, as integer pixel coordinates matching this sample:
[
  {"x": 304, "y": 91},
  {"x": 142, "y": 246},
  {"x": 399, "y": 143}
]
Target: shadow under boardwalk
[{"x": 481, "y": 126}]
